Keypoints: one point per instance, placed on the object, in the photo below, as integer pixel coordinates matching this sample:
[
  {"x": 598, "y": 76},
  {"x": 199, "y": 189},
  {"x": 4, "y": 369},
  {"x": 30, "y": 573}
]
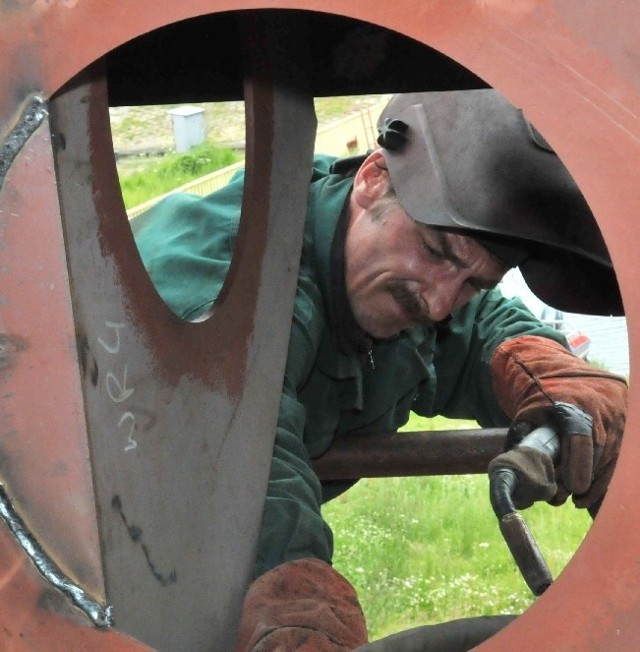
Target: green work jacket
[{"x": 187, "y": 242}]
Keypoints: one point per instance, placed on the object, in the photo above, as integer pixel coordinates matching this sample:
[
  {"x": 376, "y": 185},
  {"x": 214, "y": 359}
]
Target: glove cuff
[
  {"x": 538, "y": 381},
  {"x": 301, "y": 605},
  {"x": 530, "y": 373}
]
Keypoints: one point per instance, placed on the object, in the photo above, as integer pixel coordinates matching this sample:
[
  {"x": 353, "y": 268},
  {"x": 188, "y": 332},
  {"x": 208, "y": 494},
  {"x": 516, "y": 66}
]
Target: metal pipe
[
  {"x": 383, "y": 455},
  {"x": 503, "y": 482}
]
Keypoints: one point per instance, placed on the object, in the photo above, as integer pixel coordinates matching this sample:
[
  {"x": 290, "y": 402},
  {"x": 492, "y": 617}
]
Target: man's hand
[
  {"x": 302, "y": 605},
  {"x": 537, "y": 381}
]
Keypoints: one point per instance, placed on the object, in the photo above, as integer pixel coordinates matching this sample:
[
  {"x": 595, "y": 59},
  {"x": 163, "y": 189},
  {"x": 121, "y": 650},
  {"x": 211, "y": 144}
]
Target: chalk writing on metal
[
  {"x": 116, "y": 384},
  {"x": 112, "y": 348},
  {"x": 131, "y": 442}
]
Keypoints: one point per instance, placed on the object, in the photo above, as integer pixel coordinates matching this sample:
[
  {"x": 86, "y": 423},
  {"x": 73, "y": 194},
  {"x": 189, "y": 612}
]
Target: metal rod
[{"x": 383, "y": 455}]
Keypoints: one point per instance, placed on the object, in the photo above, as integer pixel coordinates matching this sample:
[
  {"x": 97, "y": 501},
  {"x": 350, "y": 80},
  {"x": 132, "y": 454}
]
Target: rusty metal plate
[
  {"x": 572, "y": 65},
  {"x": 169, "y": 428},
  {"x": 35, "y": 617}
]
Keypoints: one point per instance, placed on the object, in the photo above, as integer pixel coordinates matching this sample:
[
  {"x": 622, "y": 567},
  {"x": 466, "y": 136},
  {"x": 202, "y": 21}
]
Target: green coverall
[{"x": 186, "y": 243}]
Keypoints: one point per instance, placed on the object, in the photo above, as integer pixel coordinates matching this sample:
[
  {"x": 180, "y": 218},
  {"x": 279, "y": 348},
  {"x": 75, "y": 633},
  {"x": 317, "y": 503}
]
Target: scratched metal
[
  {"x": 43, "y": 446},
  {"x": 182, "y": 416},
  {"x": 571, "y": 64}
]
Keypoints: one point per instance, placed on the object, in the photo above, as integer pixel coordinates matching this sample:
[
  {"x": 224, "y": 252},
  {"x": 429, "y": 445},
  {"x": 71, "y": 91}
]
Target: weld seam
[
  {"x": 101, "y": 615},
  {"x": 32, "y": 118}
]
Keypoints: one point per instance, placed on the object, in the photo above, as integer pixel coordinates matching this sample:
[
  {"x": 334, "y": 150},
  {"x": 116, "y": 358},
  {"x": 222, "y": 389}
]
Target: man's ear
[{"x": 371, "y": 181}]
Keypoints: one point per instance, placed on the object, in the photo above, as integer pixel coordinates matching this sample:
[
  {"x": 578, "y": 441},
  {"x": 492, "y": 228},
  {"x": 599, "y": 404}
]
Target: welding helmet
[{"x": 469, "y": 161}]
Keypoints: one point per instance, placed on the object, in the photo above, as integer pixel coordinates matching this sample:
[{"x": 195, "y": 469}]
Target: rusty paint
[
  {"x": 49, "y": 446},
  {"x": 35, "y": 617},
  {"x": 10, "y": 347},
  {"x": 208, "y": 411},
  {"x": 572, "y": 65},
  {"x": 385, "y": 455}
]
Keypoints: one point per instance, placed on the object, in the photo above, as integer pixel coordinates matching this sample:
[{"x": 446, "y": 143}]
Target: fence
[{"x": 352, "y": 135}]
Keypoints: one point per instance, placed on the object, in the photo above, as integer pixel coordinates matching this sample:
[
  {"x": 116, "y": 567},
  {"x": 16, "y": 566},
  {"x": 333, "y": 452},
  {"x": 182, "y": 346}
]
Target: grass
[
  {"x": 427, "y": 550},
  {"x": 169, "y": 172}
]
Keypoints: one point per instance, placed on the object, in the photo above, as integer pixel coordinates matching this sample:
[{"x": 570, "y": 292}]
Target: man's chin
[
  {"x": 391, "y": 334},
  {"x": 427, "y": 323},
  {"x": 389, "y": 338}
]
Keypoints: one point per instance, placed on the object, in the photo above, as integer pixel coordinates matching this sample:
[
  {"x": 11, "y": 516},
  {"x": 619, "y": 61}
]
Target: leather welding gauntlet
[
  {"x": 303, "y": 605},
  {"x": 537, "y": 381}
]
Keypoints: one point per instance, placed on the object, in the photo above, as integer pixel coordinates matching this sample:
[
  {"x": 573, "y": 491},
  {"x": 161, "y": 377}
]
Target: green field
[{"x": 427, "y": 550}]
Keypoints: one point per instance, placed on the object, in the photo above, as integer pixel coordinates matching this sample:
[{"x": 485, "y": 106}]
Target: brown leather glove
[
  {"x": 535, "y": 473},
  {"x": 303, "y": 605},
  {"x": 530, "y": 375}
]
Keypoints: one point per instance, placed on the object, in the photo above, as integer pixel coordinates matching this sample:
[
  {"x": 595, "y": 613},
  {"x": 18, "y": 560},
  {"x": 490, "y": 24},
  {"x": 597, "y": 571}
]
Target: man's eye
[
  {"x": 434, "y": 253},
  {"x": 476, "y": 287}
]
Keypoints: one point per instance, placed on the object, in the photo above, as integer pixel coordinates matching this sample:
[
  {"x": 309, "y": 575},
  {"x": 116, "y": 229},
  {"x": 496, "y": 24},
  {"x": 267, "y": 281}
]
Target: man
[{"x": 396, "y": 310}]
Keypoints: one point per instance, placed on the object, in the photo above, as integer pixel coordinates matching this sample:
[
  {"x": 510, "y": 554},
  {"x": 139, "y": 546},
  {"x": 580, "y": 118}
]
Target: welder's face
[{"x": 400, "y": 273}]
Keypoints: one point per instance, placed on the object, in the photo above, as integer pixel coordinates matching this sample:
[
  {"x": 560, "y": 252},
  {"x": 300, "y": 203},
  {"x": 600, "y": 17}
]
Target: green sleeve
[
  {"x": 186, "y": 243},
  {"x": 465, "y": 348},
  {"x": 292, "y": 526}
]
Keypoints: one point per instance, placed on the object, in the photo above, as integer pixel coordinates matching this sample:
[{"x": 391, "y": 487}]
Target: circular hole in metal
[
  {"x": 347, "y": 67},
  {"x": 351, "y": 69}
]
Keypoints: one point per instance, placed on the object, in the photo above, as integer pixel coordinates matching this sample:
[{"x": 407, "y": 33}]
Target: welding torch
[{"x": 503, "y": 484}]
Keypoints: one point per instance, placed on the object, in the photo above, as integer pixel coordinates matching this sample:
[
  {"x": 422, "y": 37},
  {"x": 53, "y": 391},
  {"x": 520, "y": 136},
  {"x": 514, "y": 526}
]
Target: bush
[{"x": 174, "y": 170}]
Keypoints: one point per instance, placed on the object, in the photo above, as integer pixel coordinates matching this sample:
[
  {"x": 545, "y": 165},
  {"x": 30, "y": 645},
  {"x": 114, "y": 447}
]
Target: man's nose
[{"x": 441, "y": 300}]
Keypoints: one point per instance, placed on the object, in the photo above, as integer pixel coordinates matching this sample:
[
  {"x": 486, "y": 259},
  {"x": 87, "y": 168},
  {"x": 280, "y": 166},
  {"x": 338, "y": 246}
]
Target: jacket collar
[{"x": 328, "y": 202}]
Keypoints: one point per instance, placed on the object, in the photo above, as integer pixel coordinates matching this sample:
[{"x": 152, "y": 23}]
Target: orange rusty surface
[
  {"x": 44, "y": 458},
  {"x": 45, "y": 442},
  {"x": 33, "y": 618},
  {"x": 573, "y": 66}
]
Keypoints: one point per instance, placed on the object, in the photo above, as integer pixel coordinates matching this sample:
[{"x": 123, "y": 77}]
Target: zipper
[{"x": 370, "y": 354}]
